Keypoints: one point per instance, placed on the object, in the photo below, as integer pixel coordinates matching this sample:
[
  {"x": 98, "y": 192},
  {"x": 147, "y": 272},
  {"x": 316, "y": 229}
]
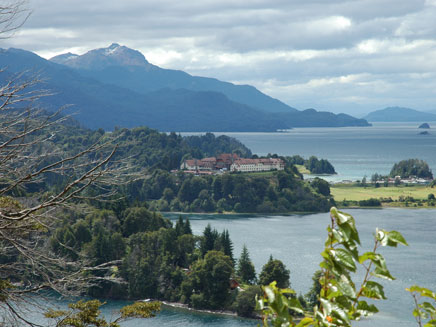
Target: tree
[
  {"x": 225, "y": 244},
  {"x": 29, "y": 160},
  {"x": 274, "y": 270},
  {"x": 187, "y": 228},
  {"x": 87, "y": 313},
  {"x": 312, "y": 297},
  {"x": 246, "y": 301},
  {"x": 211, "y": 281},
  {"x": 411, "y": 167},
  {"x": 246, "y": 271},
  {"x": 321, "y": 186},
  {"x": 208, "y": 241}
]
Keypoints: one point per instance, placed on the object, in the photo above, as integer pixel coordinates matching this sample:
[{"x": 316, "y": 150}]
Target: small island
[
  {"x": 424, "y": 126},
  {"x": 424, "y": 133}
]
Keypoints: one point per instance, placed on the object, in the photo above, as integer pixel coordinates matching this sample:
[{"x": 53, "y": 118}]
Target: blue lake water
[
  {"x": 353, "y": 151},
  {"x": 297, "y": 240}
]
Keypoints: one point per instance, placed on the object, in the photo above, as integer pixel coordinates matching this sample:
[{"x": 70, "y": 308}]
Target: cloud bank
[{"x": 348, "y": 56}]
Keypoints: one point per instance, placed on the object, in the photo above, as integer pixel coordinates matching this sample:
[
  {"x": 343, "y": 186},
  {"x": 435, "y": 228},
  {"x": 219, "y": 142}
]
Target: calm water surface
[
  {"x": 353, "y": 151},
  {"x": 297, "y": 240}
]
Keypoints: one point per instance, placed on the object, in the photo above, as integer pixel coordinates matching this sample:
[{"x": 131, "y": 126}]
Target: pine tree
[
  {"x": 246, "y": 271},
  {"x": 209, "y": 237},
  {"x": 227, "y": 244},
  {"x": 187, "y": 228},
  {"x": 180, "y": 226}
]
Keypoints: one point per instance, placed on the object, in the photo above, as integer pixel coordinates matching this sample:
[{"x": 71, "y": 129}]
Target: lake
[
  {"x": 297, "y": 240},
  {"x": 353, "y": 151}
]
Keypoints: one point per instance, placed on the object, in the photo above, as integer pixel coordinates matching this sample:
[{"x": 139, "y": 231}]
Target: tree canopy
[{"x": 411, "y": 167}]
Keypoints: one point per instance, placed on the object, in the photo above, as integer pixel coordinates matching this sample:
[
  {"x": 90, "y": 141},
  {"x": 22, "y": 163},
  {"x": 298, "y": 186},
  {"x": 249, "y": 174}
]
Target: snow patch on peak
[
  {"x": 112, "y": 48},
  {"x": 63, "y": 58}
]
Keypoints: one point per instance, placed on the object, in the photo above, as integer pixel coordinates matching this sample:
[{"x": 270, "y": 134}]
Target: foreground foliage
[
  {"x": 424, "y": 312},
  {"x": 87, "y": 313},
  {"x": 341, "y": 300}
]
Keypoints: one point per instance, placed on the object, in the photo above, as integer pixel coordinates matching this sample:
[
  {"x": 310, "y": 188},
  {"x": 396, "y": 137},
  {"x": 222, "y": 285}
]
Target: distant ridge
[
  {"x": 399, "y": 114},
  {"x": 128, "y": 68},
  {"x": 107, "y": 103}
]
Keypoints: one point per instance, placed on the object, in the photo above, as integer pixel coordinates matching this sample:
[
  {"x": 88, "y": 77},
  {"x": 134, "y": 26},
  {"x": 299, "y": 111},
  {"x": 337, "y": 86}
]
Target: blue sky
[{"x": 341, "y": 56}]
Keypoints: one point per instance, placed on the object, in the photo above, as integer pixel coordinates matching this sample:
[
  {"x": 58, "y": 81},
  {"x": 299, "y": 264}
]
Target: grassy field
[
  {"x": 357, "y": 193},
  {"x": 302, "y": 169},
  {"x": 260, "y": 173}
]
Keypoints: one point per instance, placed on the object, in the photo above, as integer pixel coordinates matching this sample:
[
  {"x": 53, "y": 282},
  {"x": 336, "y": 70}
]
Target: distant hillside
[
  {"x": 105, "y": 104},
  {"x": 128, "y": 68},
  {"x": 112, "y": 65},
  {"x": 319, "y": 119},
  {"x": 399, "y": 114}
]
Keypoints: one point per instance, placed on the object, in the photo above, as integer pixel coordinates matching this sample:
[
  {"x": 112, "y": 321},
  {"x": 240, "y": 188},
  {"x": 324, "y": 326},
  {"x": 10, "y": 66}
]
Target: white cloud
[
  {"x": 329, "y": 25},
  {"x": 335, "y": 54}
]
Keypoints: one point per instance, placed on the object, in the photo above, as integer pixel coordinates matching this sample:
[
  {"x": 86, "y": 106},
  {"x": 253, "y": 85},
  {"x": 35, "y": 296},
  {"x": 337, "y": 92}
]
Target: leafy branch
[{"x": 341, "y": 302}]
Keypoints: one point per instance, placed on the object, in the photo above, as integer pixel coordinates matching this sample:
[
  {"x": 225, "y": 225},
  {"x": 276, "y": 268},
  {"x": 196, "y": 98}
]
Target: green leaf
[
  {"x": 346, "y": 288},
  {"x": 431, "y": 323},
  {"x": 422, "y": 291},
  {"x": 382, "y": 273},
  {"x": 334, "y": 310},
  {"x": 344, "y": 258},
  {"x": 365, "y": 309},
  {"x": 269, "y": 293},
  {"x": 428, "y": 307},
  {"x": 381, "y": 236},
  {"x": 395, "y": 238},
  {"x": 295, "y": 305},
  {"x": 338, "y": 236},
  {"x": 305, "y": 322},
  {"x": 366, "y": 256},
  {"x": 373, "y": 290}
]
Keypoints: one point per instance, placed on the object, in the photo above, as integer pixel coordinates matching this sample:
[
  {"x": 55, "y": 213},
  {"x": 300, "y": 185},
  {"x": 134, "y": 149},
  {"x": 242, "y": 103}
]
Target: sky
[{"x": 351, "y": 56}]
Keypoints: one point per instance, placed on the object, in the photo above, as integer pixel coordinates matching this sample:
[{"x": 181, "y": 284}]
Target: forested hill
[
  {"x": 148, "y": 148},
  {"x": 154, "y": 155}
]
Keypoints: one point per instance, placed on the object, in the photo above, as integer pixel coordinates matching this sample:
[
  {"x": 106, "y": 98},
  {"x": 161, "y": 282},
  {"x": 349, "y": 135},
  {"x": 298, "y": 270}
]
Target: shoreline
[
  {"x": 229, "y": 213},
  {"x": 185, "y": 307}
]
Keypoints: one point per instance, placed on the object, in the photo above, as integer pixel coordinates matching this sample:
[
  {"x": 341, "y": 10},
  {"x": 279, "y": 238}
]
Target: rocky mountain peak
[{"x": 98, "y": 59}]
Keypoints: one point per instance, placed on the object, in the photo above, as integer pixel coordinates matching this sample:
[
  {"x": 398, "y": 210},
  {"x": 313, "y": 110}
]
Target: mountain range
[
  {"x": 399, "y": 114},
  {"x": 117, "y": 86}
]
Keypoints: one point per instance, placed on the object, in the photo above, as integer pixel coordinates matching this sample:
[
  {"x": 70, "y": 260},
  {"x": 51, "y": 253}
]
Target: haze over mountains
[
  {"x": 400, "y": 114},
  {"x": 117, "y": 86}
]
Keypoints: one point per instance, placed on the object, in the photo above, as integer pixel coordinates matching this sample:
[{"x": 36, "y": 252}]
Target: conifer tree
[
  {"x": 209, "y": 237},
  {"x": 227, "y": 244},
  {"x": 246, "y": 271},
  {"x": 180, "y": 226},
  {"x": 187, "y": 227}
]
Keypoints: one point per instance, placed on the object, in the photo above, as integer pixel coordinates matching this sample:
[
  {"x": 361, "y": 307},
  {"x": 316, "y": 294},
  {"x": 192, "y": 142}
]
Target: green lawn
[
  {"x": 302, "y": 169},
  {"x": 260, "y": 173},
  {"x": 357, "y": 193}
]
